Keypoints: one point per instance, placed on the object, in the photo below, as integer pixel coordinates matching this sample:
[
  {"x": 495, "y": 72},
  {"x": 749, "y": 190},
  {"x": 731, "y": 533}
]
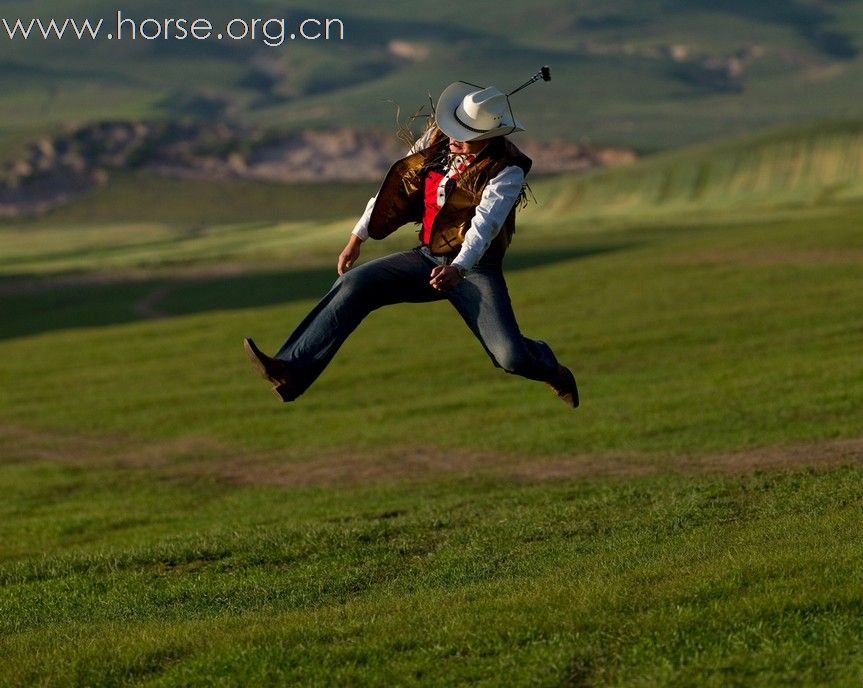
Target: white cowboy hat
[{"x": 467, "y": 112}]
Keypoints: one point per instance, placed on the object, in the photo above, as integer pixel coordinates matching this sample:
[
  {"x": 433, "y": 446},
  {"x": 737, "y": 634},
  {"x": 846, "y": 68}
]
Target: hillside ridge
[{"x": 789, "y": 166}]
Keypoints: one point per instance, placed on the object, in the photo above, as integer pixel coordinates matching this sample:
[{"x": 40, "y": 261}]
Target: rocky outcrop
[
  {"x": 564, "y": 156},
  {"x": 52, "y": 171}
]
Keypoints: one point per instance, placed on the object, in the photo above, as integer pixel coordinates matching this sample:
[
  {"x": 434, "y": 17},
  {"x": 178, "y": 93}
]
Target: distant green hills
[{"x": 652, "y": 74}]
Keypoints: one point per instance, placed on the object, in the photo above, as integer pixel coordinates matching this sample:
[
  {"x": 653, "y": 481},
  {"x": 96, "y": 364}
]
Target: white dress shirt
[{"x": 498, "y": 197}]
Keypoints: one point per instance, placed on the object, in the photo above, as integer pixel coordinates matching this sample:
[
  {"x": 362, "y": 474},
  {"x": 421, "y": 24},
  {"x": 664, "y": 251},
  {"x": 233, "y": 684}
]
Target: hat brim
[{"x": 445, "y": 116}]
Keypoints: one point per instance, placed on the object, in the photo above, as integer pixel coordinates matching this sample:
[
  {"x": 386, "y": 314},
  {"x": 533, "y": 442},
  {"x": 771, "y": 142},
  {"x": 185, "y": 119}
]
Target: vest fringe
[{"x": 523, "y": 201}]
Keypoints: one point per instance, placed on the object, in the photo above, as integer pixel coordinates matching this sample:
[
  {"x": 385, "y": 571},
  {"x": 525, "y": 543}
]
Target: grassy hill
[
  {"x": 787, "y": 167},
  {"x": 646, "y": 74},
  {"x": 418, "y": 517}
]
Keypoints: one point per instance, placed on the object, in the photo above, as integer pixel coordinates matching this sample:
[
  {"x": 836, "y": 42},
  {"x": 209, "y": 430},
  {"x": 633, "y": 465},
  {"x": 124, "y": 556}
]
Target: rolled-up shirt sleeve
[
  {"x": 498, "y": 198},
  {"x": 361, "y": 228}
]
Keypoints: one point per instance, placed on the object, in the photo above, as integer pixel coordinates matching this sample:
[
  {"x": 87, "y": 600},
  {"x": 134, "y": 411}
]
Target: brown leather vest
[{"x": 400, "y": 199}]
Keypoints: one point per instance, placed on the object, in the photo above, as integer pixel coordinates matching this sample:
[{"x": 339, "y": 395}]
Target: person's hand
[
  {"x": 444, "y": 277},
  {"x": 350, "y": 254}
]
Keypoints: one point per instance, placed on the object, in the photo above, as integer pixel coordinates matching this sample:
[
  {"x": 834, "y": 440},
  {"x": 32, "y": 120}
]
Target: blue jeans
[{"x": 481, "y": 299}]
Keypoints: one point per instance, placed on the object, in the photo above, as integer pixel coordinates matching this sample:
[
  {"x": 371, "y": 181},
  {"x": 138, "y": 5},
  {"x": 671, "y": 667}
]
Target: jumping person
[{"x": 461, "y": 182}]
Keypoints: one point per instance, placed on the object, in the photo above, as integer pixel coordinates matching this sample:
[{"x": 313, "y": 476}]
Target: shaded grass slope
[{"x": 685, "y": 337}]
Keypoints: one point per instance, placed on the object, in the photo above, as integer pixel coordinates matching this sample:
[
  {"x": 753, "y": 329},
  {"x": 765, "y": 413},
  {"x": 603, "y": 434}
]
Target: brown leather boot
[
  {"x": 563, "y": 384},
  {"x": 273, "y": 370}
]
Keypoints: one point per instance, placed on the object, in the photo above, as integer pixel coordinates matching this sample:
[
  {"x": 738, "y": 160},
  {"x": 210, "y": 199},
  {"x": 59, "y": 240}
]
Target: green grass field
[{"x": 419, "y": 517}]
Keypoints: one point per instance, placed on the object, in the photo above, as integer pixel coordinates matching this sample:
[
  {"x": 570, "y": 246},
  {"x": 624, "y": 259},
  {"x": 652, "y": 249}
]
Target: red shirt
[
  {"x": 437, "y": 183},
  {"x": 432, "y": 182}
]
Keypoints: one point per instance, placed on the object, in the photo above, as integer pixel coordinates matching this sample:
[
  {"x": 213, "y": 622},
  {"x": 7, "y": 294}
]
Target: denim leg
[
  {"x": 482, "y": 299},
  {"x": 397, "y": 278}
]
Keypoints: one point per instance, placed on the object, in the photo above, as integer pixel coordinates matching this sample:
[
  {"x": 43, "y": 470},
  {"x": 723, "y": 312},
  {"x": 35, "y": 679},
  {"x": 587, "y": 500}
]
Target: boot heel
[{"x": 285, "y": 392}]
